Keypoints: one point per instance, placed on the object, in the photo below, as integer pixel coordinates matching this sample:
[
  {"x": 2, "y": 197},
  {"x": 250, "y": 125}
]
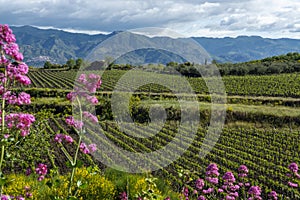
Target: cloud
[{"x": 190, "y": 17}]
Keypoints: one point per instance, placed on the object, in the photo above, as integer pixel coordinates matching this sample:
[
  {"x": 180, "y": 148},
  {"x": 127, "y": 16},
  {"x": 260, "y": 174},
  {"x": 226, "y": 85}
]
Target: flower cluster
[
  {"x": 85, "y": 86},
  {"x": 15, "y": 72},
  {"x": 41, "y": 170},
  {"x": 123, "y": 196},
  {"x": 212, "y": 173},
  {"x": 73, "y": 122},
  {"x": 293, "y": 167},
  {"x": 20, "y": 99},
  {"x": 6, "y": 197},
  {"x": 87, "y": 149},
  {"x": 19, "y": 121},
  {"x": 91, "y": 117},
  {"x": 60, "y": 137},
  {"x": 226, "y": 188}
]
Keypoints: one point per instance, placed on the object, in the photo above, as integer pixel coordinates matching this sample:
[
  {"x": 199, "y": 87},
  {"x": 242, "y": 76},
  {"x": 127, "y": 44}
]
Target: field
[{"x": 261, "y": 129}]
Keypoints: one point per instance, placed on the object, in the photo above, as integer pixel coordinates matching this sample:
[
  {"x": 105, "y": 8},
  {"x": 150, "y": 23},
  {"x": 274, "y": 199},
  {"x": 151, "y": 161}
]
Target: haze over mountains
[{"x": 39, "y": 45}]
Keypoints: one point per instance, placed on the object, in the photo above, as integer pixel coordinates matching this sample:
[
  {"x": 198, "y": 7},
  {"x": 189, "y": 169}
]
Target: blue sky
[{"x": 215, "y": 18}]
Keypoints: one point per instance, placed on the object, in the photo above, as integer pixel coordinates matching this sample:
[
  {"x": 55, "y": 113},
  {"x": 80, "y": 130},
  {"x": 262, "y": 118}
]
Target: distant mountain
[
  {"x": 246, "y": 48},
  {"x": 39, "y": 45},
  {"x": 56, "y": 46},
  {"x": 149, "y": 55}
]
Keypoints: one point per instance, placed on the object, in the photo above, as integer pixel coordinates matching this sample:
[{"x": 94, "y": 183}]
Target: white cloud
[{"x": 274, "y": 18}]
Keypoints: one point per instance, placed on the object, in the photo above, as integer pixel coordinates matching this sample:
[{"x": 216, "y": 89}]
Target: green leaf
[
  {"x": 72, "y": 198},
  {"x": 3, "y": 181},
  {"x": 79, "y": 164},
  {"x": 69, "y": 164},
  {"x": 49, "y": 184},
  {"x": 83, "y": 186}
]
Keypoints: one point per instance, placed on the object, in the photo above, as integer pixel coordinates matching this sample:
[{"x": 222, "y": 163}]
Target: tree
[
  {"x": 79, "y": 63},
  {"x": 71, "y": 63},
  {"x": 48, "y": 65}
]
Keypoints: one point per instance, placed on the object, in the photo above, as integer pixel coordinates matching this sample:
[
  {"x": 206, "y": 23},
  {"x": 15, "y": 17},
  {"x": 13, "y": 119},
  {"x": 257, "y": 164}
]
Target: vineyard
[
  {"x": 279, "y": 85},
  {"x": 256, "y": 137}
]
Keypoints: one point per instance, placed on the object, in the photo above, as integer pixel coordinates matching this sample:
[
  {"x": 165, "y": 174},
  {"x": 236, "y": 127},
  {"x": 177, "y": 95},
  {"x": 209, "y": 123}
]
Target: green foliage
[{"x": 90, "y": 185}]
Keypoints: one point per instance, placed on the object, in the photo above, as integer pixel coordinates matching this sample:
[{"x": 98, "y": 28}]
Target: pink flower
[
  {"x": 71, "y": 96},
  {"x": 220, "y": 190},
  {"x": 58, "y": 138},
  {"x": 273, "y": 195},
  {"x": 68, "y": 139},
  {"x": 91, "y": 117},
  {"x": 5, "y": 197},
  {"x": 92, "y": 99},
  {"x": 92, "y": 148},
  {"x": 199, "y": 184},
  {"x": 208, "y": 191},
  {"x": 23, "y": 79},
  {"x": 41, "y": 169},
  {"x": 84, "y": 149},
  {"x": 87, "y": 149},
  {"x": 255, "y": 190},
  {"x": 40, "y": 178},
  {"x": 294, "y": 185},
  {"x": 293, "y": 167},
  {"x": 82, "y": 79},
  {"x": 228, "y": 178},
  {"x": 212, "y": 180},
  {"x": 23, "y": 98},
  {"x": 212, "y": 170},
  {"x": 72, "y": 122}
]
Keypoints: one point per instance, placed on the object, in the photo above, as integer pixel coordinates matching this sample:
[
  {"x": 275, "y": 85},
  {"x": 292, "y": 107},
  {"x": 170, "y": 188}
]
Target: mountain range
[{"x": 57, "y": 46}]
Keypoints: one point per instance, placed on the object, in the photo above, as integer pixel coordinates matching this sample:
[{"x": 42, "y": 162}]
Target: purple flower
[
  {"x": 58, "y": 138},
  {"x": 293, "y": 167},
  {"x": 254, "y": 190},
  {"x": 41, "y": 169},
  {"x": 294, "y": 185},
  {"x": 234, "y": 187},
  {"x": 27, "y": 188},
  {"x": 68, "y": 139},
  {"x": 87, "y": 149},
  {"x": 229, "y": 197},
  {"x": 92, "y": 99},
  {"x": 220, "y": 190},
  {"x": 92, "y": 147},
  {"x": 228, "y": 178},
  {"x": 28, "y": 172},
  {"x": 28, "y": 194},
  {"x": 212, "y": 170},
  {"x": 82, "y": 79},
  {"x": 23, "y": 98},
  {"x": 201, "y": 198},
  {"x": 212, "y": 180},
  {"x": 199, "y": 184},
  {"x": 272, "y": 195},
  {"x": 75, "y": 123},
  {"x": 40, "y": 178},
  {"x": 91, "y": 117},
  {"x": 123, "y": 196},
  {"x": 208, "y": 191},
  {"x": 5, "y": 197},
  {"x": 185, "y": 191}
]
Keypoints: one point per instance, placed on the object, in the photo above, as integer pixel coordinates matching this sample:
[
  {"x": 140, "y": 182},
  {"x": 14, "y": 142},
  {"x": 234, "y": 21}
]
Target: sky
[{"x": 215, "y": 18}]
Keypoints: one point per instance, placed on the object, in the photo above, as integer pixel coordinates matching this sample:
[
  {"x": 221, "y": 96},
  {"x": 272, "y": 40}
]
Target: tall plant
[
  {"x": 14, "y": 126},
  {"x": 82, "y": 98}
]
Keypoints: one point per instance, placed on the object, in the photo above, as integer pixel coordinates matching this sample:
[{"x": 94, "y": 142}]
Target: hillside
[{"x": 58, "y": 46}]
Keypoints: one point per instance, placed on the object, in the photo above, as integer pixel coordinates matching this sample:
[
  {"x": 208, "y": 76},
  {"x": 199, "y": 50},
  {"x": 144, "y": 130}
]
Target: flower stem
[
  {"x": 74, "y": 162},
  {"x": 2, "y": 131}
]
